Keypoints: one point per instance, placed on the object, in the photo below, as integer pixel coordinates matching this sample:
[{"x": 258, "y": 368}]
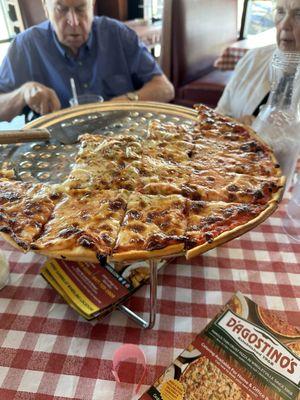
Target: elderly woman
[{"x": 250, "y": 86}]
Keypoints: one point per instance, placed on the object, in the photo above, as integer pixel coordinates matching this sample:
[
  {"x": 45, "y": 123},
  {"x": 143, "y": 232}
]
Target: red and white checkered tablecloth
[
  {"x": 49, "y": 352},
  {"x": 235, "y": 51},
  {"x": 229, "y": 58}
]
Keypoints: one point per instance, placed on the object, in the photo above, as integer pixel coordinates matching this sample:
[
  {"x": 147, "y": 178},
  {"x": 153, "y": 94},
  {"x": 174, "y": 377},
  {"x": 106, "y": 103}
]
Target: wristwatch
[{"x": 132, "y": 96}]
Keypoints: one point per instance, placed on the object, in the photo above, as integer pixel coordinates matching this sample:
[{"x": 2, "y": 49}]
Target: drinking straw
[{"x": 74, "y": 91}]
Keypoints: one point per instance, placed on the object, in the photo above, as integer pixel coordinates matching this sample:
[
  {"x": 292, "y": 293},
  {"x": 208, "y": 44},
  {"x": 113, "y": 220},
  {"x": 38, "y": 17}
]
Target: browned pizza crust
[
  {"x": 12, "y": 241},
  {"x": 77, "y": 254},
  {"x": 238, "y": 231},
  {"x": 132, "y": 255}
]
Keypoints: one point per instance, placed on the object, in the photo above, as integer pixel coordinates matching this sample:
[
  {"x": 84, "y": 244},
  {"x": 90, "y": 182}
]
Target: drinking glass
[{"x": 85, "y": 99}]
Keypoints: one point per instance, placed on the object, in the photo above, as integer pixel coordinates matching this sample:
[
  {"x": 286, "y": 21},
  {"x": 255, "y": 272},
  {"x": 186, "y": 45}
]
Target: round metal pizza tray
[{"x": 51, "y": 161}]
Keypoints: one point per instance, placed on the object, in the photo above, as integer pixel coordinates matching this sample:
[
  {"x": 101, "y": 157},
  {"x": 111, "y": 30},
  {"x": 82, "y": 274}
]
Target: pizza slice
[
  {"x": 84, "y": 223},
  {"x": 24, "y": 210},
  {"x": 234, "y": 140},
  {"x": 153, "y": 226},
  {"x": 169, "y": 131},
  {"x": 209, "y": 223},
  {"x": 217, "y": 185},
  {"x": 174, "y": 152},
  {"x": 127, "y": 177},
  {"x": 247, "y": 153},
  {"x": 107, "y": 164},
  {"x": 240, "y": 163},
  {"x": 220, "y": 144},
  {"x": 161, "y": 178},
  {"x": 121, "y": 148},
  {"x": 211, "y": 123},
  {"x": 105, "y": 175}
]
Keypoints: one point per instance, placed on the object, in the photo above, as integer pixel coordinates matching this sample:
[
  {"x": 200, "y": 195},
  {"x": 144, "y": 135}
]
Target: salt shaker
[
  {"x": 4, "y": 270},
  {"x": 291, "y": 222}
]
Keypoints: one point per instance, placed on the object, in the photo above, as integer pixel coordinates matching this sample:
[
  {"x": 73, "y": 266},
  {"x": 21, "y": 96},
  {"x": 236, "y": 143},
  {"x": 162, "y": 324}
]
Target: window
[
  {"x": 4, "y": 26},
  {"x": 157, "y": 9},
  {"x": 5, "y": 36},
  {"x": 153, "y": 9},
  {"x": 257, "y": 17}
]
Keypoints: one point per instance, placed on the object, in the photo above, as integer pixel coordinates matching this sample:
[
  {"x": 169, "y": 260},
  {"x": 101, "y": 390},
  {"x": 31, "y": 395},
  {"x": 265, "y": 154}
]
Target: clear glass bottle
[{"x": 278, "y": 122}]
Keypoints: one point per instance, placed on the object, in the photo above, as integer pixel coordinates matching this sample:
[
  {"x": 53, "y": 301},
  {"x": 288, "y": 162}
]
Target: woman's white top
[{"x": 249, "y": 84}]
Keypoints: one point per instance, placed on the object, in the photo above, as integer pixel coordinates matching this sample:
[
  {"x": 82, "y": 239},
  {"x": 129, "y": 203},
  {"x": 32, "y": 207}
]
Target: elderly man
[
  {"x": 102, "y": 55},
  {"x": 250, "y": 86}
]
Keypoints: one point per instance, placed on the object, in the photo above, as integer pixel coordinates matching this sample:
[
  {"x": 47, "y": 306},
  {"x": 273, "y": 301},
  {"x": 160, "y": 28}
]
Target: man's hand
[
  {"x": 40, "y": 98},
  {"x": 159, "y": 88}
]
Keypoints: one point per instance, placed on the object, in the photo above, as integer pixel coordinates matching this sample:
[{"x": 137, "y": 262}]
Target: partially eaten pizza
[{"x": 180, "y": 189}]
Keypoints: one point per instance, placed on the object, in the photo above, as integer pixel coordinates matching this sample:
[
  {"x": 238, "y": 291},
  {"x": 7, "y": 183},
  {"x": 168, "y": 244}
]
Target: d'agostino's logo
[{"x": 267, "y": 349}]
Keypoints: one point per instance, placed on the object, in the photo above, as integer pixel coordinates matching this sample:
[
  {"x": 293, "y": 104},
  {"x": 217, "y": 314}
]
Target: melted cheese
[
  {"x": 84, "y": 218},
  {"x": 152, "y": 222}
]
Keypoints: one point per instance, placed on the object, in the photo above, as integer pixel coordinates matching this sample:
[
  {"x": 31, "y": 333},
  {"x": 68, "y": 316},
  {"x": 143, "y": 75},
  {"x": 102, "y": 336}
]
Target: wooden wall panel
[{"x": 112, "y": 8}]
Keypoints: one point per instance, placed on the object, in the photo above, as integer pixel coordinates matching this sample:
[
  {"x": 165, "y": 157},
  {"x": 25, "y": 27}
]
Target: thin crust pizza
[
  {"x": 83, "y": 220},
  {"x": 179, "y": 189},
  {"x": 25, "y": 208}
]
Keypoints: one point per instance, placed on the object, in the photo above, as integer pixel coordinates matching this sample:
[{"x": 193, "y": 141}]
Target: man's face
[
  {"x": 71, "y": 20},
  {"x": 287, "y": 21}
]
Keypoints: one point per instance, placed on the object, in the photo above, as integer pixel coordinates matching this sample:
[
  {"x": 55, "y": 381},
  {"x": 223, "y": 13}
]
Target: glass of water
[{"x": 85, "y": 99}]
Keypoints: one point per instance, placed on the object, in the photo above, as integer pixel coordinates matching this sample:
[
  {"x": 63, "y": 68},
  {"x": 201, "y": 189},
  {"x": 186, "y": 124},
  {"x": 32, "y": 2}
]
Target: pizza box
[
  {"x": 246, "y": 352},
  {"x": 95, "y": 289}
]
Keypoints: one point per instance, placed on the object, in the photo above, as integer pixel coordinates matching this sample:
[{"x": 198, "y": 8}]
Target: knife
[{"x": 24, "y": 135}]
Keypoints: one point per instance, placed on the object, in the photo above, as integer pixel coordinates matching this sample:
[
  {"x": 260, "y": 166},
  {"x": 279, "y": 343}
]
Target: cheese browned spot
[
  {"x": 216, "y": 185},
  {"x": 169, "y": 132},
  {"x": 160, "y": 223},
  {"x": 207, "y": 220},
  {"x": 24, "y": 210}
]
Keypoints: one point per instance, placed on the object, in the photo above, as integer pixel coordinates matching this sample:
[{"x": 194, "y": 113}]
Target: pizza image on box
[
  {"x": 202, "y": 380},
  {"x": 277, "y": 323}
]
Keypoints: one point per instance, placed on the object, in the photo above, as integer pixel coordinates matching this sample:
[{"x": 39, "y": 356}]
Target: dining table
[
  {"x": 232, "y": 53},
  {"x": 49, "y": 352}
]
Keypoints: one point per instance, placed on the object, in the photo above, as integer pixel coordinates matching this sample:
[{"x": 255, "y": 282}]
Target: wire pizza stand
[
  {"x": 51, "y": 161},
  {"x": 153, "y": 268},
  {"x": 152, "y": 300}
]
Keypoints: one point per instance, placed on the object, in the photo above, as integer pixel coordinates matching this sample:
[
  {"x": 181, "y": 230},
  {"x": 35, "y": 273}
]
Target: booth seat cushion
[{"x": 207, "y": 89}]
